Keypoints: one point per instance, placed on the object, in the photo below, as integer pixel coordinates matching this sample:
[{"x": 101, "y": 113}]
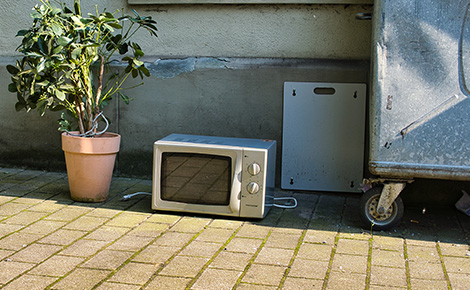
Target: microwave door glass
[{"x": 196, "y": 178}]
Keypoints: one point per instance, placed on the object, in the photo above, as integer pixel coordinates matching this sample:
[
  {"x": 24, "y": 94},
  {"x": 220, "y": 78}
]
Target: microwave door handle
[{"x": 235, "y": 194}]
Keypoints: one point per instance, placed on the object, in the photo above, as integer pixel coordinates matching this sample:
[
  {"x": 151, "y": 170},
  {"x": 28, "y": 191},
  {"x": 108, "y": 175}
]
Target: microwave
[{"x": 214, "y": 175}]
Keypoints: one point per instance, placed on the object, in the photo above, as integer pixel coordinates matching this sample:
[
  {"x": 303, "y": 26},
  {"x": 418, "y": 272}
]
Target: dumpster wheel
[{"x": 374, "y": 220}]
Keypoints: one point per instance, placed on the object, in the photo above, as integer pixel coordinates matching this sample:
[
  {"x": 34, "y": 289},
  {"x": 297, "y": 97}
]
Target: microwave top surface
[{"x": 223, "y": 141}]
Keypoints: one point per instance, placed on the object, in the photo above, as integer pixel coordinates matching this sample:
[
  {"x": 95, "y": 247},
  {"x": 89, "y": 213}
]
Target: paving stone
[
  {"x": 182, "y": 266},
  {"x": 244, "y": 245},
  {"x": 18, "y": 241},
  {"x": 459, "y": 281},
  {"x": 320, "y": 252},
  {"x": 134, "y": 273},
  {"x": 253, "y": 231},
  {"x": 12, "y": 208},
  {"x": 301, "y": 283},
  {"x": 117, "y": 286},
  {"x": 215, "y": 235},
  {"x": 388, "y": 276},
  {"x": 423, "y": 254},
  {"x": 388, "y": 258},
  {"x": 274, "y": 256},
  {"x": 174, "y": 239},
  {"x": 68, "y": 213},
  {"x": 423, "y": 270},
  {"x": 231, "y": 261},
  {"x": 86, "y": 223},
  {"x": 35, "y": 253},
  {"x": 4, "y": 199},
  {"x": 388, "y": 243},
  {"x": 107, "y": 260},
  {"x": 106, "y": 233},
  {"x": 247, "y": 286},
  {"x": 104, "y": 212},
  {"x": 5, "y": 253},
  {"x": 217, "y": 279},
  {"x": 125, "y": 219},
  {"x": 163, "y": 218},
  {"x": 190, "y": 225},
  {"x": 24, "y": 218},
  {"x": 43, "y": 227},
  {"x": 225, "y": 224},
  {"x": 312, "y": 269},
  {"x": 147, "y": 229},
  {"x": 49, "y": 206},
  {"x": 57, "y": 266},
  {"x": 163, "y": 282},
  {"x": 420, "y": 284},
  {"x": 10, "y": 269},
  {"x": 84, "y": 248},
  {"x": 130, "y": 243},
  {"x": 456, "y": 250},
  {"x": 457, "y": 265},
  {"x": 156, "y": 254},
  {"x": 282, "y": 240},
  {"x": 30, "y": 282},
  {"x": 201, "y": 249},
  {"x": 338, "y": 280},
  {"x": 381, "y": 287},
  {"x": 81, "y": 278},
  {"x": 353, "y": 247},
  {"x": 349, "y": 263},
  {"x": 62, "y": 237},
  {"x": 6, "y": 229},
  {"x": 421, "y": 241},
  {"x": 264, "y": 274},
  {"x": 320, "y": 237}
]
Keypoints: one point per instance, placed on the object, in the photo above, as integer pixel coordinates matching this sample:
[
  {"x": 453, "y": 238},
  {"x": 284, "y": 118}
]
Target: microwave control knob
[
  {"x": 253, "y": 187},
  {"x": 254, "y": 169}
]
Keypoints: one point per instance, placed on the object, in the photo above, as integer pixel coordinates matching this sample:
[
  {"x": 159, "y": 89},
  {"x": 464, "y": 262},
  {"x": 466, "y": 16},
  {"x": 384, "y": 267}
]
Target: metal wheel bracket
[{"x": 390, "y": 192}]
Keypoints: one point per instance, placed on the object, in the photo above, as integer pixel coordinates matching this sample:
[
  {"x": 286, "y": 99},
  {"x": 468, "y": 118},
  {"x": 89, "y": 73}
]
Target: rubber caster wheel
[{"x": 374, "y": 220}]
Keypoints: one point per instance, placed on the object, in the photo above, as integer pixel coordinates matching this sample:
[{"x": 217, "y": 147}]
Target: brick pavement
[{"x": 48, "y": 241}]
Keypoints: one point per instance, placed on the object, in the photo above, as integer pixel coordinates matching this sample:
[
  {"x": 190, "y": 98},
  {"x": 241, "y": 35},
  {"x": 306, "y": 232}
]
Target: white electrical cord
[
  {"x": 129, "y": 196},
  {"x": 90, "y": 133},
  {"x": 283, "y": 205}
]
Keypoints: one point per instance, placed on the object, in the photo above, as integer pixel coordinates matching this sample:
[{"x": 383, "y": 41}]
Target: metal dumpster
[{"x": 419, "y": 105}]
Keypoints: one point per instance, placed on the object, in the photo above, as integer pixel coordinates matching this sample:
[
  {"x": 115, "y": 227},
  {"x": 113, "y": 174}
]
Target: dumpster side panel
[{"x": 420, "y": 110}]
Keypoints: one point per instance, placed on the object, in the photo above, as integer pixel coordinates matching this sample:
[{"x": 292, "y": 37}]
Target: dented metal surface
[{"x": 420, "y": 110}]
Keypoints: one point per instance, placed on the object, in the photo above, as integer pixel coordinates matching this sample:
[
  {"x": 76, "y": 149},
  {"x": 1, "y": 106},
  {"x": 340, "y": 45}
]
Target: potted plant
[{"x": 66, "y": 66}]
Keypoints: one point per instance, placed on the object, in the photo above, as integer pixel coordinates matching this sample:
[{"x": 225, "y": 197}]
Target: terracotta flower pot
[{"x": 90, "y": 164}]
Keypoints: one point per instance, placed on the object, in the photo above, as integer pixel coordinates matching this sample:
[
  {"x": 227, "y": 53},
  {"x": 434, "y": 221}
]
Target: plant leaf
[
  {"x": 63, "y": 41},
  {"x": 12, "y": 69},
  {"x": 56, "y": 29}
]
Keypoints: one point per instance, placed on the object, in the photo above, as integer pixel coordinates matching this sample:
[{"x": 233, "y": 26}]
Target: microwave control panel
[{"x": 253, "y": 187}]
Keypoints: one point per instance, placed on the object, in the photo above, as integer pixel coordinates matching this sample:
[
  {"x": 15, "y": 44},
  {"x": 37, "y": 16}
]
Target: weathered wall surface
[{"x": 216, "y": 70}]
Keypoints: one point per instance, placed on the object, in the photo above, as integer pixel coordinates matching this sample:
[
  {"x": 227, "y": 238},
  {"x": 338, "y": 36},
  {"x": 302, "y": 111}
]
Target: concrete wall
[{"x": 216, "y": 69}]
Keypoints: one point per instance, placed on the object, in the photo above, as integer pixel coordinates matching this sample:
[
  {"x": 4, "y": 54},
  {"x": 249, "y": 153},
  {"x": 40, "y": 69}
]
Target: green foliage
[{"x": 65, "y": 56}]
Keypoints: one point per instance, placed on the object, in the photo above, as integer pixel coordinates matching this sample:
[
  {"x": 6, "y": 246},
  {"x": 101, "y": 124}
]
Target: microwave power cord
[
  {"x": 129, "y": 196},
  {"x": 285, "y": 206}
]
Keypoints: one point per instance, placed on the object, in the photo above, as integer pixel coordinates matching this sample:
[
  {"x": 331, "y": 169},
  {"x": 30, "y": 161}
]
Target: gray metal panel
[
  {"x": 323, "y": 136},
  {"x": 420, "y": 110}
]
